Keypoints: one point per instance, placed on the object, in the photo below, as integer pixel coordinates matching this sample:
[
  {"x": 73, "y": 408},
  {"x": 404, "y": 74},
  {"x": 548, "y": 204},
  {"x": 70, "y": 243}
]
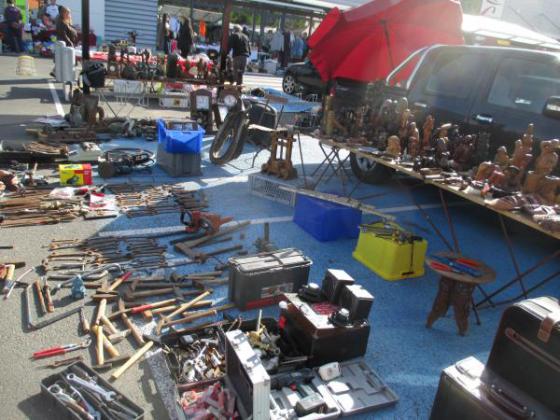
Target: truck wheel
[
  {"x": 289, "y": 84},
  {"x": 369, "y": 171}
]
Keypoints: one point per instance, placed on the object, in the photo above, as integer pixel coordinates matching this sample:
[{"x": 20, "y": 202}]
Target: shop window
[
  {"x": 524, "y": 85},
  {"x": 453, "y": 75}
]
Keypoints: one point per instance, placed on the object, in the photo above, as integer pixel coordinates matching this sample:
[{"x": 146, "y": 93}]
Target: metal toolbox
[
  {"x": 79, "y": 369},
  {"x": 259, "y": 280},
  {"x": 308, "y": 324},
  {"x": 247, "y": 377}
]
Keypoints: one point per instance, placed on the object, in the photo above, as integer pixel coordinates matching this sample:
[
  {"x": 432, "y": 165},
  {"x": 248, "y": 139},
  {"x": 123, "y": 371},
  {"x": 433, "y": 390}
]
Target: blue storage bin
[
  {"x": 326, "y": 221},
  {"x": 177, "y": 141}
]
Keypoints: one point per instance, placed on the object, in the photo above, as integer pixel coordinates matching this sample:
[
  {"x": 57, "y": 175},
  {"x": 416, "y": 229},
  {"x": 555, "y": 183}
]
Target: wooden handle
[
  {"x": 39, "y": 291},
  {"x": 85, "y": 323},
  {"x": 133, "y": 359},
  {"x": 192, "y": 317},
  {"x": 109, "y": 325},
  {"x": 48, "y": 298},
  {"x": 100, "y": 312},
  {"x": 113, "y": 352},
  {"x": 11, "y": 269},
  {"x": 134, "y": 330},
  {"x": 180, "y": 309},
  {"x": 99, "y": 349}
]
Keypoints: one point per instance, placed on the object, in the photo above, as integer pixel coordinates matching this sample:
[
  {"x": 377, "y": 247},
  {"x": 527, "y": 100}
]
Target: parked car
[
  {"x": 304, "y": 78},
  {"x": 493, "y": 89}
]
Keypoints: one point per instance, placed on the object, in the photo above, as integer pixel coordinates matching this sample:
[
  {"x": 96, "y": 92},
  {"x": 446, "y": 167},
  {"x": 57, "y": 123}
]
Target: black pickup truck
[{"x": 492, "y": 89}]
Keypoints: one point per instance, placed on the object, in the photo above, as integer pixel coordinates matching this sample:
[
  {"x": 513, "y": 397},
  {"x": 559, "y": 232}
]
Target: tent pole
[
  {"x": 85, "y": 38},
  {"x": 228, "y": 6},
  {"x": 388, "y": 41}
]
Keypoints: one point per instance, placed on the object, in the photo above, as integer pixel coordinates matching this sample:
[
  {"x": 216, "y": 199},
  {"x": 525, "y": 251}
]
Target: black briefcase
[
  {"x": 469, "y": 392},
  {"x": 526, "y": 350}
]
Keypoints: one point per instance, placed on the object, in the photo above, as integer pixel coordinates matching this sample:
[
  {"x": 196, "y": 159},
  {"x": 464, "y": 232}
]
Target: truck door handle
[
  {"x": 484, "y": 118},
  {"x": 420, "y": 105}
]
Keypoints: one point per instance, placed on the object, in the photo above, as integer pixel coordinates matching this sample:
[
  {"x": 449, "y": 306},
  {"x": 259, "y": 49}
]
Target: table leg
[
  {"x": 461, "y": 299},
  {"x": 512, "y": 255},
  {"x": 441, "y": 302}
]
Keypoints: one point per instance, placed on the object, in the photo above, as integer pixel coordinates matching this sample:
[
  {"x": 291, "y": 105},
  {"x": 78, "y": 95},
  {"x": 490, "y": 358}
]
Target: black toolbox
[
  {"x": 77, "y": 368},
  {"x": 526, "y": 349},
  {"x": 309, "y": 325},
  {"x": 469, "y": 391},
  {"x": 259, "y": 280}
]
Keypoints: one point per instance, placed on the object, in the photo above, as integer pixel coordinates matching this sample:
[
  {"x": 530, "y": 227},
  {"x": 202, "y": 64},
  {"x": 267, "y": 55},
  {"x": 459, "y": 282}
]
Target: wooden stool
[{"x": 456, "y": 289}]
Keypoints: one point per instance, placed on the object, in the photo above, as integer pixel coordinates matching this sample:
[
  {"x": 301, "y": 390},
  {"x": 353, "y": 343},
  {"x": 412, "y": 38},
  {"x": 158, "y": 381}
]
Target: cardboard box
[{"x": 75, "y": 174}]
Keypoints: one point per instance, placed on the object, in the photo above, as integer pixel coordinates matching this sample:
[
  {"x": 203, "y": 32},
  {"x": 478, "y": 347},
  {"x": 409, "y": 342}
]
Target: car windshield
[{"x": 524, "y": 85}]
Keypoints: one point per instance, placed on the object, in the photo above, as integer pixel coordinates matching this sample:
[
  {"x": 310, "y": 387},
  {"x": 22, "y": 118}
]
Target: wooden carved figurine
[
  {"x": 393, "y": 146},
  {"x": 427, "y": 130},
  {"x": 544, "y": 165},
  {"x": 522, "y": 154},
  {"x": 441, "y": 145},
  {"x": 413, "y": 145},
  {"x": 500, "y": 163},
  {"x": 463, "y": 154}
]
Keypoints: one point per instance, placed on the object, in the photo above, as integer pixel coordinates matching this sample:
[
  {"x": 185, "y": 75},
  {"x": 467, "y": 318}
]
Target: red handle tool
[{"x": 55, "y": 351}]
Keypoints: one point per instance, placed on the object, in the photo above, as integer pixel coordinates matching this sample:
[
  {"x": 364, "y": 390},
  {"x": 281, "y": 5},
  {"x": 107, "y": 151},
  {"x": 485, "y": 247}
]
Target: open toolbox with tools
[
  {"x": 80, "y": 393},
  {"x": 207, "y": 345},
  {"x": 272, "y": 371}
]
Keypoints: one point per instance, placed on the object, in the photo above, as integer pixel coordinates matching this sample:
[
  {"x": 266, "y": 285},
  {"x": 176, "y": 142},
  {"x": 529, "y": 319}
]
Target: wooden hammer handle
[{"x": 133, "y": 359}]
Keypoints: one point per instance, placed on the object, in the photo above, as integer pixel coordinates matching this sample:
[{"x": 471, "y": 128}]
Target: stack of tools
[
  {"x": 35, "y": 207},
  {"x": 132, "y": 251},
  {"x": 146, "y": 200},
  {"x": 197, "y": 359}
]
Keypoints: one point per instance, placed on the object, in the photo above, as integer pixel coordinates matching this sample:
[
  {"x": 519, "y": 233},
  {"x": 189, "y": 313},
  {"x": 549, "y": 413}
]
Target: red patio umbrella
[{"x": 367, "y": 42}]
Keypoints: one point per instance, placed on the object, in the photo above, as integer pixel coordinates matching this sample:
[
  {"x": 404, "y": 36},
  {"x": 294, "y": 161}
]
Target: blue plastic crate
[
  {"x": 177, "y": 141},
  {"x": 326, "y": 221}
]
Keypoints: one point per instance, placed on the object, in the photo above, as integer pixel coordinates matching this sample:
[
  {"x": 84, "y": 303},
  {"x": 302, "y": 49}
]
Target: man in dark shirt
[
  {"x": 241, "y": 50},
  {"x": 14, "y": 26}
]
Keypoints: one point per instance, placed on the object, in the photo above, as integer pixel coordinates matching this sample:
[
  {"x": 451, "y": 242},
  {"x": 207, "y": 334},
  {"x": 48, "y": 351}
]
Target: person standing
[
  {"x": 14, "y": 26},
  {"x": 165, "y": 34},
  {"x": 64, "y": 30},
  {"x": 53, "y": 10},
  {"x": 241, "y": 50},
  {"x": 186, "y": 37}
]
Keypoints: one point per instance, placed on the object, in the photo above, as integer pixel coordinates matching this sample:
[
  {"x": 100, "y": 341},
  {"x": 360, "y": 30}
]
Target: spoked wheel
[
  {"x": 229, "y": 140},
  {"x": 289, "y": 84}
]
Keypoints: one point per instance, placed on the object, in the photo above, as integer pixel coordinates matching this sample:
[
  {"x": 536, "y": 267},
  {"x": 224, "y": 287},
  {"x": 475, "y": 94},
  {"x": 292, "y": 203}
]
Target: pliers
[{"x": 55, "y": 351}]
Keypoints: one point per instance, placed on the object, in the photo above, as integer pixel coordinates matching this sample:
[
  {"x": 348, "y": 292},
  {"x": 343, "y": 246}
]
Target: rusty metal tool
[
  {"x": 64, "y": 362},
  {"x": 38, "y": 325}
]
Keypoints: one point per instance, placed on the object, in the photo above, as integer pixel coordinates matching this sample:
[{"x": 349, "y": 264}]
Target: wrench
[
  {"x": 77, "y": 395},
  {"x": 106, "y": 395},
  {"x": 67, "y": 400}
]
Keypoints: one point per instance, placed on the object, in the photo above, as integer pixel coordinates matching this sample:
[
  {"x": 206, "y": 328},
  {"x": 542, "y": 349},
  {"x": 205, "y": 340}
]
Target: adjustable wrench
[{"x": 106, "y": 395}]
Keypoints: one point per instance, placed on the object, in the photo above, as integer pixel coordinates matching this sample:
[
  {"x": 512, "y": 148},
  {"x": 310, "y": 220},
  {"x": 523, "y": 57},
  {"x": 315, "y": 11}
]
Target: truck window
[
  {"x": 524, "y": 85},
  {"x": 454, "y": 75}
]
